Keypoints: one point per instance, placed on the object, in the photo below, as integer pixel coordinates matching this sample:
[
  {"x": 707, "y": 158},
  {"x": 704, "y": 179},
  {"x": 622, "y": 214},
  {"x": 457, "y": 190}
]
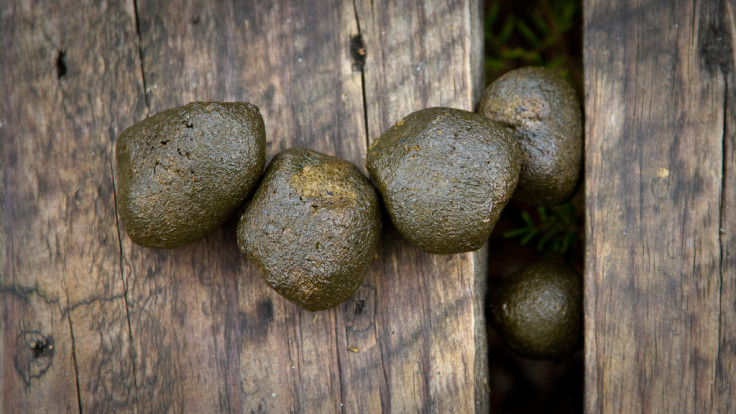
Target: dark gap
[
  {"x": 365, "y": 108},
  {"x": 721, "y": 229},
  {"x": 517, "y": 34},
  {"x": 140, "y": 56},
  {"x": 724, "y": 167},
  {"x": 359, "y": 52},
  {"x": 60, "y": 65}
]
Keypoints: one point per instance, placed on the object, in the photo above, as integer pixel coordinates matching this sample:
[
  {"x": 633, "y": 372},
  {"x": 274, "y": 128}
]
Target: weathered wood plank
[
  {"x": 411, "y": 63},
  {"x": 65, "y": 98},
  {"x": 195, "y": 329},
  {"x": 660, "y": 265},
  {"x": 295, "y": 61}
]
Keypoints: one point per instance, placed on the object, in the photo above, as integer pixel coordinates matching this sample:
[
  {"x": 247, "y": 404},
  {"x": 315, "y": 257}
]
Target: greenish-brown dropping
[
  {"x": 311, "y": 228},
  {"x": 184, "y": 171},
  {"x": 544, "y": 112},
  {"x": 445, "y": 176},
  {"x": 538, "y": 311}
]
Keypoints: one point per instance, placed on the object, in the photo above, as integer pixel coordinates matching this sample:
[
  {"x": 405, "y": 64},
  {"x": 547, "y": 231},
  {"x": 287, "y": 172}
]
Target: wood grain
[
  {"x": 195, "y": 329},
  {"x": 65, "y": 337},
  {"x": 660, "y": 297}
]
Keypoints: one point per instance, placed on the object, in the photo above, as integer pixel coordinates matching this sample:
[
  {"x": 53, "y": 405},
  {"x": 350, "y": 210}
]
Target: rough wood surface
[
  {"x": 660, "y": 288},
  {"x": 91, "y": 322}
]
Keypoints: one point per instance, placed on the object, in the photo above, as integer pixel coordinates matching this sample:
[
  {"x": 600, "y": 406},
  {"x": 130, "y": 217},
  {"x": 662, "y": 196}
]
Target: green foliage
[
  {"x": 528, "y": 33},
  {"x": 553, "y": 230},
  {"x": 538, "y": 33}
]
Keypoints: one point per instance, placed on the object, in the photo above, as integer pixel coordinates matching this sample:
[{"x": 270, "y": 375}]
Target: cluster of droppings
[{"x": 313, "y": 224}]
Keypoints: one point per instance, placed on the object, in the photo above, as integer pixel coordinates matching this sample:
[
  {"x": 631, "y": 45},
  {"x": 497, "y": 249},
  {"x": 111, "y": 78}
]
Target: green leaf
[
  {"x": 494, "y": 65},
  {"x": 533, "y": 57},
  {"x": 542, "y": 213},
  {"x": 527, "y": 219},
  {"x": 567, "y": 241},
  {"x": 527, "y": 33},
  {"x": 566, "y": 19},
  {"x": 539, "y": 21},
  {"x": 510, "y": 54},
  {"x": 529, "y": 236},
  {"x": 492, "y": 13},
  {"x": 508, "y": 28},
  {"x": 546, "y": 237},
  {"x": 515, "y": 232}
]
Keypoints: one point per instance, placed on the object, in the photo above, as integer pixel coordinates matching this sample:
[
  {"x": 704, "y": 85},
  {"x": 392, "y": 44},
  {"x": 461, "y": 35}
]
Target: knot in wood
[{"x": 33, "y": 354}]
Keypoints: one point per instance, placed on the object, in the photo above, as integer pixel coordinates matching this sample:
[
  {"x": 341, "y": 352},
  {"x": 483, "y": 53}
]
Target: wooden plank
[
  {"x": 64, "y": 330},
  {"x": 301, "y": 72},
  {"x": 411, "y": 63},
  {"x": 195, "y": 329},
  {"x": 660, "y": 291}
]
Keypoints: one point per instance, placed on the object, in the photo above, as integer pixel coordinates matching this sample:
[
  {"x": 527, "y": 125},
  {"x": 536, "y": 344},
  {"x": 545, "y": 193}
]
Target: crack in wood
[
  {"x": 140, "y": 57},
  {"x": 387, "y": 403},
  {"x": 359, "y": 53},
  {"x": 231, "y": 336},
  {"x": 338, "y": 351},
  {"x": 721, "y": 220},
  {"x": 295, "y": 387},
  {"x": 74, "y": 358},
  {"x": 162, "y": 371},
  {"x": 125, "y": 283},
  {"x": 24, "y": 292},
  {"x": 91, "y": 301}
]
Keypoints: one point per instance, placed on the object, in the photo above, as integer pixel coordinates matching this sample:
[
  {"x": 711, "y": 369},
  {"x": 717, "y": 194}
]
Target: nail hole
[
  {"x": 359, "y": 306},
  {"x": 357, "y": 50},
  {"x": 60, "y": 65},
  {"x": 40, "y": 348}
]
